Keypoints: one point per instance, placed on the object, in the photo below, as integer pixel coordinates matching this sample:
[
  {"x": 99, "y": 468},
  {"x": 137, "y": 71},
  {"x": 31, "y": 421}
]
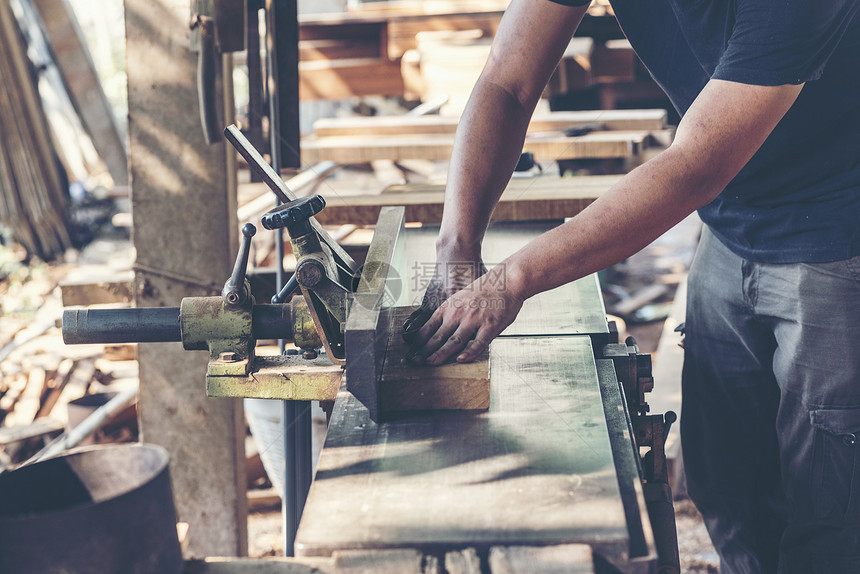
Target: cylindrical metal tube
[
  {"x": 272, "y": 322},
  {"x": 159, "y": 324},
  {"x": 136, "y": 325}
]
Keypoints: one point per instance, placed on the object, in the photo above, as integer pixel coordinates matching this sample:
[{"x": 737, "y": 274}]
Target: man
[{"x": 768, "y": 151}]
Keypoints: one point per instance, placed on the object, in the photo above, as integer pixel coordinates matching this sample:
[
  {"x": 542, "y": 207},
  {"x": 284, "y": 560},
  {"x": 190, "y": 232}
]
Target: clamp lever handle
[
  {"x": 234, "y": 292},
  {"x": 295, "y": 215}
]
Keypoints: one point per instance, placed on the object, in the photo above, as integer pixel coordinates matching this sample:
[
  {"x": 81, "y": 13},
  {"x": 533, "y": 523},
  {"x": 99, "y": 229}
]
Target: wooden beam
[
  {"x": 99, "y": 284},
  {"x": 182, "y": 217},
  {"x": 628, "y": 120},
  {"x": 33, "y": 201},
  {"x": 271, "y": 565},
  {"x": 438, "y": 147},
  {"x": 405, "y": 561},
  {"x": 84, "y": 87},
  {"x": 402, "y": 32},
  {"x": 542, "y": 198},
  {"x": 562, "y": 559},
  {"x": 345, "y": 78},
  {"x": 39, "y": 427}
]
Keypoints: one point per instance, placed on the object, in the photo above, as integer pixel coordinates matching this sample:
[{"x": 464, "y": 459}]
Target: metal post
[{"x": 296, "y": 429}]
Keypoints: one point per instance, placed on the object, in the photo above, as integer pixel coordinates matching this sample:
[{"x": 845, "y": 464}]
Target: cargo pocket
[{"x": 836, "y": 465}]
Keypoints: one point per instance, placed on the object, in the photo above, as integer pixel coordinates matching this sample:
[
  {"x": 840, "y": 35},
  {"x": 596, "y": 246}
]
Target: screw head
[
  {"x": 310, "y": 354},
  {"x": 309, "y": 273},
  {"x": 228, "y": 357}
]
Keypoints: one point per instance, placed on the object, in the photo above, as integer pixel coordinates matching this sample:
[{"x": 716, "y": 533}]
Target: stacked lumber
[
  {"x": 360, "y": 52},
  {"x": 542, "y": 198},
  {"x": 625, "y": 120},
  {"x": 32, "y": 197},
  {"x": 43, "y": 382},
  {"x": 609, "y": 134}
]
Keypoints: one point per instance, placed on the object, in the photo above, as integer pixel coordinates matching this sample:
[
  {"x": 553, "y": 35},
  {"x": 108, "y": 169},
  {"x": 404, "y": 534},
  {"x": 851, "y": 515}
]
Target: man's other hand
[
  {"x": 466, "y": 322},
  {"x": 450, "y": 276}
]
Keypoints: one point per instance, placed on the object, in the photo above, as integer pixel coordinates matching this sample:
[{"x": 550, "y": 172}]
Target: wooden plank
[
  {"x": 561, "y": 559},
  {"x": 536, "y": 468},
  {"x": 402, "y": 32},
  {"x": 626, "y": 120},
  {"x": 542, "y": 198},
  {"x": 438, "y": 147},
  {"x": 93, "y": 285},
  {"x": 386, "y": 11},
  {"x": 336, "y": 48},
  {"x": 33, "y": 199},
  {"x": 464, "y": 561},
  {"x": 378, "y": 562},
  {"x": 271, "y": 565},
  {"x": 367, "y": 328},
  {"x": 347, "y": 78},
  {"x": 409, "y": 387},
  {"x": 37, "y": 428},
  {"x": 84, "y": 87}
]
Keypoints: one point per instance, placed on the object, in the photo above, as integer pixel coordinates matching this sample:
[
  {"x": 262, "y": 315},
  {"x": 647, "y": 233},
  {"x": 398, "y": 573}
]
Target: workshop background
[{"x": 112, "y": 111}]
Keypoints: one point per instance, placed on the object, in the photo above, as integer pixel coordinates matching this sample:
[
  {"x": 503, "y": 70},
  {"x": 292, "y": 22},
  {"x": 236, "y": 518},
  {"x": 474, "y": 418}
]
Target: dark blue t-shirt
[{"x": 798, "y": 198}]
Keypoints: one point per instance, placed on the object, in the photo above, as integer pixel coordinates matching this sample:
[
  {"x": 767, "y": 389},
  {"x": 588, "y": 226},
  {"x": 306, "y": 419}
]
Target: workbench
[{"x": 549, "y": 465}]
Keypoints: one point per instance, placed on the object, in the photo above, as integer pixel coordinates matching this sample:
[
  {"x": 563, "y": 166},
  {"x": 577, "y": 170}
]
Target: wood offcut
[{"x": 406, "y": 386}]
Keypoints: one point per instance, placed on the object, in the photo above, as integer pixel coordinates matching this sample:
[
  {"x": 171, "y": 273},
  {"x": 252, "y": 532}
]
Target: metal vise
[{"x": 230, "y": 325}]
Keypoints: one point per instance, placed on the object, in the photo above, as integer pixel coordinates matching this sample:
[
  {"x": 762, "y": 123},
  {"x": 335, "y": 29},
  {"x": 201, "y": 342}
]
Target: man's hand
[
  {"x": 466, "y": 323},
  {"x": 454, "y": 272}
]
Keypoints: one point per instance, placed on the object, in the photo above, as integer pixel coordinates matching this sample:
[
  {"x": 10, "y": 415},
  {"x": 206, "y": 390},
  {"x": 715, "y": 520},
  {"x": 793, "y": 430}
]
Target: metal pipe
[
  {"x": 159, "y": 324},
  {"x": 304, "y": 461},
  {"x": 136, "y": 325},
  {"x": 289, "y": 510},
  {"x": 272, "y": 322}
]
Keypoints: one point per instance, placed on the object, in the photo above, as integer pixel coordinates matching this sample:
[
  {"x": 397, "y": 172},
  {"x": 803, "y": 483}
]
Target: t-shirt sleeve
[{"x": 787, "y": 42}]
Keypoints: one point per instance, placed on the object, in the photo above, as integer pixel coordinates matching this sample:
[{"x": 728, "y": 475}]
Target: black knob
[
  {"x": 295, "y": 215},
  {"x": 234, "y": 292}
]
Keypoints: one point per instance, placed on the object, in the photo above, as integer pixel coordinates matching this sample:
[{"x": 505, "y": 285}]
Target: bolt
[
  {"x": 228, "y": 357},
  {"x": 310, "y": 354},
  {"x": 309, "y": 273}
]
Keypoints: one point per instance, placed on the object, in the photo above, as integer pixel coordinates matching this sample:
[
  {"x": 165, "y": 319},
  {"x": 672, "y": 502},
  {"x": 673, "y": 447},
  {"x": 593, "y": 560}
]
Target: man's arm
[
  {"x": 718, "y": 135},
  {"x": 531, "y": 38}
]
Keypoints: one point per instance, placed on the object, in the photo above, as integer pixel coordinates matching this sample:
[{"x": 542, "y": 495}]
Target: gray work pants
[{"x": 770, "y": 422}]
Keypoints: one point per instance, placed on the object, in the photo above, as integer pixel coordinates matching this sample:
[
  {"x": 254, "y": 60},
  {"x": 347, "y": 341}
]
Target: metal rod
[
  {"x": 287, "y": 290},
  {"x": 289, "y": 510},
  {"x": 137, "y": 325},
  {"x": 87, "y": 427},
  {"x": 304, "y": 462}
]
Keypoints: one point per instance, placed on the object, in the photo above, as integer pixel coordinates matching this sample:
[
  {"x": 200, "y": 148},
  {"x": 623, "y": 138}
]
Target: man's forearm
[
  {"x": 486, "y": 149},
  {"x": 642, "y": 206},
  {"x": 530, "y": 40},
  {"x": 714, "y": 141}
]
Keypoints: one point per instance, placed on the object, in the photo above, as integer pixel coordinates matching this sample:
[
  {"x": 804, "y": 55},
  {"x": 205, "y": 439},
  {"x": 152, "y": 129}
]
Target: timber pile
[
  {"x": 42, "y": 380},
  {"x": 540, "y": 198},
  {"x": 32, "y": 198},
  {"x": 47, "y": 390},
  {"x": 605, "y": 134}
]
